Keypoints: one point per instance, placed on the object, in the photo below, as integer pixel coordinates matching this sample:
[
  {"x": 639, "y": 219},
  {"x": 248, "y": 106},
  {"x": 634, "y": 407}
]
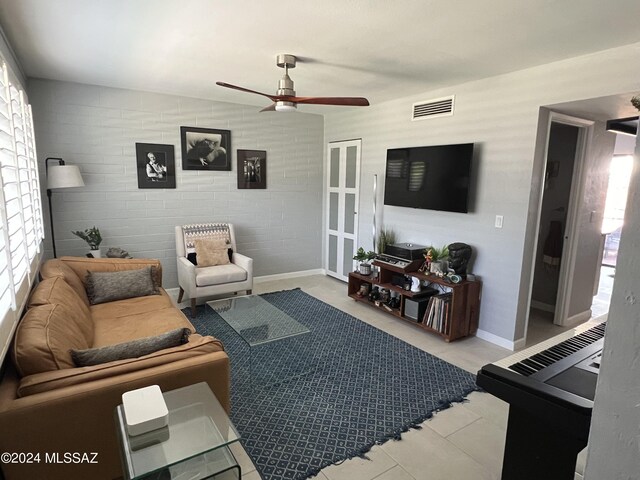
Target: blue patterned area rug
[{"x": 305, "y": 402}]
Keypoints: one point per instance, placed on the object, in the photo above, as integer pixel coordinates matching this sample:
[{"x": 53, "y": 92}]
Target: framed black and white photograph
[
  {"x": 205, "y": 148},
  {"x": 252, "y": 169},
  {"x": 156, "y": 165}
]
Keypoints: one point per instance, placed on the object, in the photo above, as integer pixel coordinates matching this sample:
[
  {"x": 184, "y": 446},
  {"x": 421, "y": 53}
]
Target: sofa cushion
[
  {"x": 194, "y": 348},
  {"x": 44, "y": 338},
  {"x": 57, "y": 268},
  {"x": 130, "y": 306},
  {"x": 56, "y": 290},
  {"x": 105, "y": 287},
  {"x": 82, "y": 265},
  {"x": 109, "y": 330},
  {"x": 211, "y": 252},
  {"x": 220, "y": 274},
  {"x": 131, "y": 349}
]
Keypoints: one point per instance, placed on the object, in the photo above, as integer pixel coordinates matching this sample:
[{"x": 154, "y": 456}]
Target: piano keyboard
[{"x": 537, "y": 357}]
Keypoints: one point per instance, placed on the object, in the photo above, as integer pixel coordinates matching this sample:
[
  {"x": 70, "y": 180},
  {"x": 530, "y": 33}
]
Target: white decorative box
[{"x": 144, "y": 410}]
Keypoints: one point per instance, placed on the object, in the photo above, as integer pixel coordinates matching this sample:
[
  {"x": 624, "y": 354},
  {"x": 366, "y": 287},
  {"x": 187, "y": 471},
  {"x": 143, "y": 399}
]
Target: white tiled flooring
[{"x": 463, "y": 442}]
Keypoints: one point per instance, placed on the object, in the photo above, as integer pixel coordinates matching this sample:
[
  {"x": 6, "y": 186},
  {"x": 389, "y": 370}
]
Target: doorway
[
  {"x": 558, "y": 231},
  {"x": 343, "y": 191}
]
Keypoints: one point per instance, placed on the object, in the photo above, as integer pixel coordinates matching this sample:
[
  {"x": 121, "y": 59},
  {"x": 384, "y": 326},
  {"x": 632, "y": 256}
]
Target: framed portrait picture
[
  {"x": 205, "y": 148},
  {"x": 156, "y": 165},
  {"x": 252, "y": 169}
]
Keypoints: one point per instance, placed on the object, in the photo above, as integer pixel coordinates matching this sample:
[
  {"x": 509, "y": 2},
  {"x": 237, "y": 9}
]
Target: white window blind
[
  {"x": 13, "y": 185},
  {"x": 21, "y": 230}
]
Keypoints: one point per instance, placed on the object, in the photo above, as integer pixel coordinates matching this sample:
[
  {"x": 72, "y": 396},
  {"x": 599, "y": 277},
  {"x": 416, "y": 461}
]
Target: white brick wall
[
  {"x": 500, "y": 115},
  {"x": 97, "y": 128}
]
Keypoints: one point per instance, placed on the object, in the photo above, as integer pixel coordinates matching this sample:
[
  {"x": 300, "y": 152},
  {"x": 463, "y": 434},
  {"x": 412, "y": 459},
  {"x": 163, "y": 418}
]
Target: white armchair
[{"x": 198, "y": 281}]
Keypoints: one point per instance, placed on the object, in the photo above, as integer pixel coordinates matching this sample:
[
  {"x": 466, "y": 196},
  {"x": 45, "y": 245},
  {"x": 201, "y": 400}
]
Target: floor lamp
[{"x": 60, "y": 176}]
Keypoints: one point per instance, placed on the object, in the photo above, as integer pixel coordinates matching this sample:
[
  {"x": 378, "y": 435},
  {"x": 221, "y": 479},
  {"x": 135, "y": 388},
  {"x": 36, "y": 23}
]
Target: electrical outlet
[{"x": 499, "y": 219}]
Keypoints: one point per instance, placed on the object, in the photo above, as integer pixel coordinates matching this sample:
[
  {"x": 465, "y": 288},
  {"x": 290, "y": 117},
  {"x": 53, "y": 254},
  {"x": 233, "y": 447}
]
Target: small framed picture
[
  {"x": 252, "y": 169},
  {"x": 205, "y": 148},
  {"x": 156, "y": 165}
]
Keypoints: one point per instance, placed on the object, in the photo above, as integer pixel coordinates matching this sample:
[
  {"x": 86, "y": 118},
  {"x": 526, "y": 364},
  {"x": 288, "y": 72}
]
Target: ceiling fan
[{"x": 285, "y": 99}]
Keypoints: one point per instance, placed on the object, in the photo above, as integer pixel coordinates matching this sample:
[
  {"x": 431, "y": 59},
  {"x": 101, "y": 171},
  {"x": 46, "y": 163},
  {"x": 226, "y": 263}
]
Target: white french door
[{"x": 343, "y": 191}]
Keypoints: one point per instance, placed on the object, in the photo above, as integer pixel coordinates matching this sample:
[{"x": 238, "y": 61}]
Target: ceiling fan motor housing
[{"x": 285, "y": 86}]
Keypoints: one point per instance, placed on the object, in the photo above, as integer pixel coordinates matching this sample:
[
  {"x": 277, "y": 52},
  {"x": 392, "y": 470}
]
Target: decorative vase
[
  {"x": 365, "y": 269},
  {"x": 95, "y": 253},
  {"x": 415, "y": 284}
]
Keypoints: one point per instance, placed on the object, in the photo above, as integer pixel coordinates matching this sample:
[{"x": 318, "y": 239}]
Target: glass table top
[
  {"x": 197, "y": 424},
  {"x": 256, "y": 320}
]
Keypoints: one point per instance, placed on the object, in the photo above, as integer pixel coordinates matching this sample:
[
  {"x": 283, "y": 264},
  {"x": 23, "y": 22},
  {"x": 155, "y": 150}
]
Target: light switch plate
[{"x": 499, "y": 219}]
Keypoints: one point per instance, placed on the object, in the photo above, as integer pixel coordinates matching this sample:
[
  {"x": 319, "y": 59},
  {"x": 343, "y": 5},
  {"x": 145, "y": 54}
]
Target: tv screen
[{"x": 433, "y": 178}]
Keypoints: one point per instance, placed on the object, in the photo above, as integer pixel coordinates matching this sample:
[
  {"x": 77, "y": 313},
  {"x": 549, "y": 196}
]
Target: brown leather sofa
[{"x": 49, "y": 406}]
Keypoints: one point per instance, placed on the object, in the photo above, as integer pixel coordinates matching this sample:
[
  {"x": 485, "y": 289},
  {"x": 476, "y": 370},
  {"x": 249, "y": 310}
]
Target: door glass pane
[
  {"x": 334, "y": 168},
  {"x": 351, "y": 167},
  {"x": 349, "y": 213},
  {"x": 333, "y": 211},
  {"x": 347, "y": 259},
  {"x": 333, "y": 253}
]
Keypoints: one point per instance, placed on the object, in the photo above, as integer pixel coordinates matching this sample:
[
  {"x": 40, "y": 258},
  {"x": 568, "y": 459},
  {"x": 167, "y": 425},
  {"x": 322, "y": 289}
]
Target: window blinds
[{"x": 21, "y": 226}]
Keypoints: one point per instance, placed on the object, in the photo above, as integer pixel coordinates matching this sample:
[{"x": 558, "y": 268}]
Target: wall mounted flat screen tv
[{"x": 433, "y": 178}]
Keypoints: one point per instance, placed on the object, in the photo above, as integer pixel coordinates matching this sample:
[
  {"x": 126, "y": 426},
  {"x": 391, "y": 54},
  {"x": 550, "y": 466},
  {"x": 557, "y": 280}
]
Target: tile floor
[{"x": 465, "y": 441}]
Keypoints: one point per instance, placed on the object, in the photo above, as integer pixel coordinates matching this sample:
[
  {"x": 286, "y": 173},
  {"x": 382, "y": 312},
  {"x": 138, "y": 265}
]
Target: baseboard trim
[
  {"x": 501, "y": 342},
  {"x": 173, "y": 291},
  {"x": 545, "y": 307},
  {"x": 577, "y": 319},
  {"x": 285, "y": 276},
  {"x": 267, "y": 278}
]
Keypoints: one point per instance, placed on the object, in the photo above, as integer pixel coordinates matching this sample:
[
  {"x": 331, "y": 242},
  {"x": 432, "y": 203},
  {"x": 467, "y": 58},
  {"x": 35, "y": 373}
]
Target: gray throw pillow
[
  {"x": 105, "y": 287},
  {"x": 133, "y": 349}
]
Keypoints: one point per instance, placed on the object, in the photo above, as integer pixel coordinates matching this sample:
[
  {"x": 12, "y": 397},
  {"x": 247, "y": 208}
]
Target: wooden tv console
[{"x": 458, "y": 319}]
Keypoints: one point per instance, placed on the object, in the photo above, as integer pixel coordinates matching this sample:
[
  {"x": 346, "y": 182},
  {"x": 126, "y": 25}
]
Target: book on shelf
[{"x": 436, "y": 315}]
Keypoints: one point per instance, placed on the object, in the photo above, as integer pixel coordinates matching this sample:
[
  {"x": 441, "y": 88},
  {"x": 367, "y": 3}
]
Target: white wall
[
  {"x": 614, "y": 441},
  {"x": 97, "y": 128},
  {"x": 500, "y": 115}
]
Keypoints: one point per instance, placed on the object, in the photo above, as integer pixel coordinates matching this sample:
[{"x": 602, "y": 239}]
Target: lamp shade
[{"x": 64, "y": 176}]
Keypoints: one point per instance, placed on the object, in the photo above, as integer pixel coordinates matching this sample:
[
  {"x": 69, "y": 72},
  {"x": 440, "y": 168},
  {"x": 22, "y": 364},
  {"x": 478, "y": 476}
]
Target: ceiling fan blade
[
  {"x": 270, "y": 108},
  {"x": 346, "y": 101},
  {"x": 242, "y": 89}
]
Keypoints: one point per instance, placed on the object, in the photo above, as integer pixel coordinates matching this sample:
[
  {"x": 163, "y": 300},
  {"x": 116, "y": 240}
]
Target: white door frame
[
  {"x": 571, "y": 238},
  {"x": 341, "y": 190}
]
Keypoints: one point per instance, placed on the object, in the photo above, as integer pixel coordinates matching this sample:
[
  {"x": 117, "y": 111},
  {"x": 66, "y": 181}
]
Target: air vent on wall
[{"x": 439, "y": 107}]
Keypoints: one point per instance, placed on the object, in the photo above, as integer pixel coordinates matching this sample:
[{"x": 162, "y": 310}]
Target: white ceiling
[{"x": 377, "y": 49}]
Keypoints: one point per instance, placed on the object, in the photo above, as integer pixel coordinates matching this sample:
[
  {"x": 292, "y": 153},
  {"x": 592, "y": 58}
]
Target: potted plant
[
  {"x": 93, "y": 238},
  {"x": 435, "y": 258},
  {"x": 364, "y": 267},
  {"x": 386, "y": 237}
]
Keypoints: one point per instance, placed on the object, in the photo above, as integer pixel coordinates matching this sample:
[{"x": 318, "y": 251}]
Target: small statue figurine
[
  {"x": 117, "y": 252},
  {"x": 426, "y": 265},
  {"x": 459, "y": 255}
]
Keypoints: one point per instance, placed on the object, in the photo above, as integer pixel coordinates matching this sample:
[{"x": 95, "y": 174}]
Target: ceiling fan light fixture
[
  {"x": 282, "y": 106},
  {"x": 286, "y": 100}
]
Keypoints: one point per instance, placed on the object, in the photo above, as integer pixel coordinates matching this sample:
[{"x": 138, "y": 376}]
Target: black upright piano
[{"x": 550, "y": 389}]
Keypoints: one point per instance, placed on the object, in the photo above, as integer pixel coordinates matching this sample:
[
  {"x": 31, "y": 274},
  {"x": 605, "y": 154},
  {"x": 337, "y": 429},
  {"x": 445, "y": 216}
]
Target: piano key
[{"x": 553, "y": 349}]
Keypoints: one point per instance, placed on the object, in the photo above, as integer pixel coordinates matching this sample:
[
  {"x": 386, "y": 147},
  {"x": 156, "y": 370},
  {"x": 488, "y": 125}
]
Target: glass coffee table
[
  {"x": 256, "y": 320},
  {"x": 194, "y": 445},
  {"x": 266, "y": 332}
]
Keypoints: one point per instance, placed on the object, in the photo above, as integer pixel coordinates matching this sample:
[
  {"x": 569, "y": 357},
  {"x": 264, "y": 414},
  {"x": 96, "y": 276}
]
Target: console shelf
[{"x": 454, "y": 316}]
